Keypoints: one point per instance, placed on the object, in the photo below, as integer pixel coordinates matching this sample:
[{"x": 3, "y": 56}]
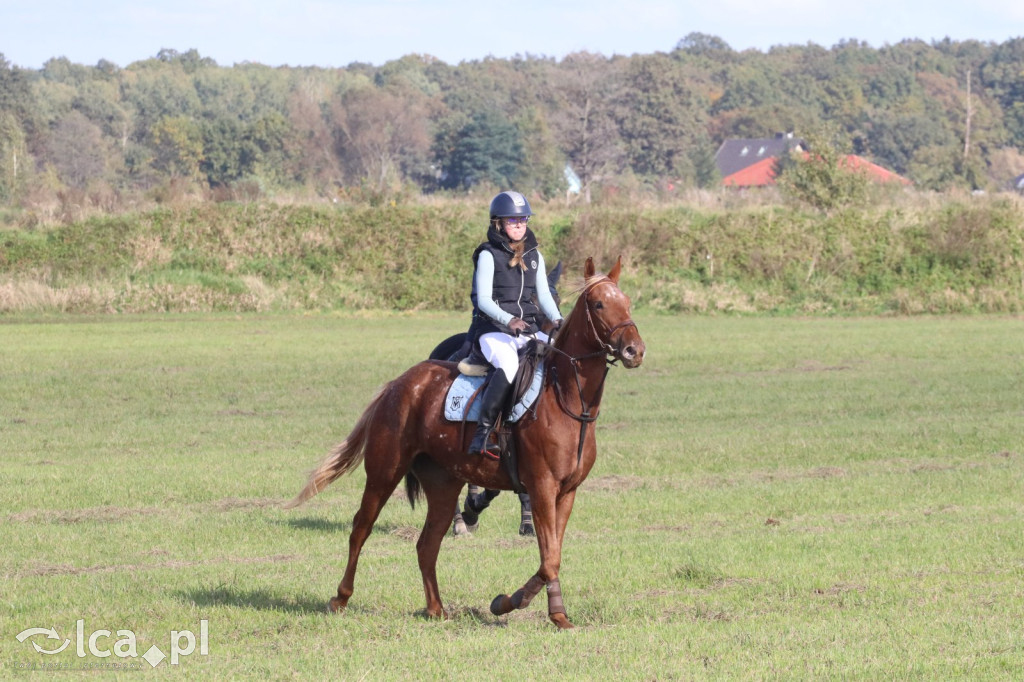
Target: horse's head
[{"x": 606, "y": 312}]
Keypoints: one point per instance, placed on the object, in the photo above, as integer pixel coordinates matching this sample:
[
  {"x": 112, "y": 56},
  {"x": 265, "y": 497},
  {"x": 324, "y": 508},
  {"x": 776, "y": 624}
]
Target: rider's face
[{"x": 515, "y": 228}]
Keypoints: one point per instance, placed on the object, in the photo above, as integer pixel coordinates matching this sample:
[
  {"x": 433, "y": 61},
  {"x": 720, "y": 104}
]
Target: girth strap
[{"x": 510, "y": 456}]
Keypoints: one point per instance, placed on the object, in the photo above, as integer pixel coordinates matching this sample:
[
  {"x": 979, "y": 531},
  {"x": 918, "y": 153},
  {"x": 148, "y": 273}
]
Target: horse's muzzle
[{"x": 631, "y": 349}]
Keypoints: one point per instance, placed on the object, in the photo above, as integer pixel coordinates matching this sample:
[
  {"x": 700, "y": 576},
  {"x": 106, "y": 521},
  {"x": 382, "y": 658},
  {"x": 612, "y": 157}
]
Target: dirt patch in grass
[
  {"x": 105, "y": 514},
  {"x": 815, "y": 366},
  {"x": 839, "y": 594},
  {"x": 793, "y": 475},
  {"x": 694, "y": 614},
  {"x": 839, "y": 589},
  {"x": 114, "y": 514},
  {"x": 47, "y": 569},
  {"x": 407, "y": 533},
  {"x": 233, "y": 503},
  {"x": 516, "y": 541},
  {"x": 668, "y": 529},
  {"x": 613, "y": 483}
]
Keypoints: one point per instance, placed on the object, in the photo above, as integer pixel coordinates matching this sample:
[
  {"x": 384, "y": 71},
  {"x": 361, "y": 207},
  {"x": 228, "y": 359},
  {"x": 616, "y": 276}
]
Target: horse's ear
[
  {"x": 555, "y": 274},
  {"x": 613, "y": 274},
  {"x": 588, "y": 268}
]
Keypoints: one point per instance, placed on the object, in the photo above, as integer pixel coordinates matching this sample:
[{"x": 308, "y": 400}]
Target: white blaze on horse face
[{"x": 604, "y": 300}]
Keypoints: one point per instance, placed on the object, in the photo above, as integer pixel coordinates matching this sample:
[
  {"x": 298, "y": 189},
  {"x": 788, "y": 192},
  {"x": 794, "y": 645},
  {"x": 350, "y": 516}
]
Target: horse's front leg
[
  {"x": 556, "y": 610},
  {"x": 550, "y": 529}
]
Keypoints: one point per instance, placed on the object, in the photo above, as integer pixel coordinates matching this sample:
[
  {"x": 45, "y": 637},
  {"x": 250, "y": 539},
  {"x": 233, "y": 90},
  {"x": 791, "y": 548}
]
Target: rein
[{"x": 608, "y": 352}]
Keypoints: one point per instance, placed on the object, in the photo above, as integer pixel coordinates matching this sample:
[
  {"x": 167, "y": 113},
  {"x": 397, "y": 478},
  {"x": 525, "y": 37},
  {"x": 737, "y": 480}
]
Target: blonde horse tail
[{"x": 344, "y": 457}]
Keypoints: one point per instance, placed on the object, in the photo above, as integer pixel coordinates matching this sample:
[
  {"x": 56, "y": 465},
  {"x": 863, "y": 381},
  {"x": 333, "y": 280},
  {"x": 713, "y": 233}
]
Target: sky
[{"x": 336, "y": 33}]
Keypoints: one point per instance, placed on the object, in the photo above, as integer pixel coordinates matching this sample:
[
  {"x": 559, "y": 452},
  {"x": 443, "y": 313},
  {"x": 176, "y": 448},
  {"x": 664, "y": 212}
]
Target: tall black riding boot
[{"x": 490, "y": 407}]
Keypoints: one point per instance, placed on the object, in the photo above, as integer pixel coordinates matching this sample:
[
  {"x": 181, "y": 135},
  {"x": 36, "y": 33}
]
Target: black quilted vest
[{"x": 513, "y": 288}]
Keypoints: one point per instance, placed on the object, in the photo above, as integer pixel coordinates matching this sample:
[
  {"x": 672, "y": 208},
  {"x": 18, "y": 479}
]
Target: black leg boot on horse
[
  {"x": 490, "y": 409},
  {"x": 525, "y": 516},
  {"x": 477, "y": 500}
]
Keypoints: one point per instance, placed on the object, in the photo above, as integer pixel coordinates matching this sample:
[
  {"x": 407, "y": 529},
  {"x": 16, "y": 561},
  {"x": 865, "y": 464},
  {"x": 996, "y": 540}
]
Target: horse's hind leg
[
  {"x": 470, "y": 516},
  {"x": 459, "y": 526},
  {"x": 458, "y": 523},
  {"x": 442, "y": 492},
  {"x": 375, "y": 496},
  {"x": 477, "y": 500},
  {"x": 525, "y": 516}
]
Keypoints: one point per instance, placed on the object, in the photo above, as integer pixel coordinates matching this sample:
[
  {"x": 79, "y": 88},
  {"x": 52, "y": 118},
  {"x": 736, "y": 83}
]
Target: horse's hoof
[
  {"x": 459, "y": 528},
  {"x": 526, "y": 530},
  {"x": 501, "y": 605},
  {"x": 335, "y": 605},
  {"x": 561, "y": 621}
]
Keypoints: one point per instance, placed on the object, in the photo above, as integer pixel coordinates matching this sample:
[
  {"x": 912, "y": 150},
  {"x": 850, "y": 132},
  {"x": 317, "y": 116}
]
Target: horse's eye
[{"x": 599, "y": 305}]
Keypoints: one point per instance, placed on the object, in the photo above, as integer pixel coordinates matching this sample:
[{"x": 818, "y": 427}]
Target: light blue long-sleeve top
[{"x": 484, "y": 298}]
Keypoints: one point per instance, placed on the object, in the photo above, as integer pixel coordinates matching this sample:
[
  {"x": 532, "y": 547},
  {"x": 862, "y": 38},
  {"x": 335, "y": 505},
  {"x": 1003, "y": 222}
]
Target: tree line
[{"x": 946, "y": 114}]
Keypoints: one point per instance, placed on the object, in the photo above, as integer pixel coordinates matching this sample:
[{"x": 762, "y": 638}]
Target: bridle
[
  {"x": 610, "y": 355},
  {"x": 606, "y": 346}
]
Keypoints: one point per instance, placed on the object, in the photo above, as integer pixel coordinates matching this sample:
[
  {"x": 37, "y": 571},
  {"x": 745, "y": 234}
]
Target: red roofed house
[
  {"x": 757, "y": 174},
  {"x": 751, "y": 162}
]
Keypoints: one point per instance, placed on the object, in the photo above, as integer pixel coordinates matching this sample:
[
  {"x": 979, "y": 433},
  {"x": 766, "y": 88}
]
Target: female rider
[{"x": 505, "y": 284}]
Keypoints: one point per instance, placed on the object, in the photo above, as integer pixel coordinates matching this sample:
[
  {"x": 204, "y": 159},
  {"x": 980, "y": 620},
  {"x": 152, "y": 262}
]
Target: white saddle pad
[{"x": 464, "y": 387}]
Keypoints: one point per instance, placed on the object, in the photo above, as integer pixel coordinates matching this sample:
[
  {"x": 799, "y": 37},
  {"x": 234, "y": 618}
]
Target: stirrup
[{"x": 491, "y": 447}]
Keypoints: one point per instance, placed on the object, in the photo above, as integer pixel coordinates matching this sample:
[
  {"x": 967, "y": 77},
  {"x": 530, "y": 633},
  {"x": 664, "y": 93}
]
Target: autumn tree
[
  {"x": 77, "y": 150},
  {"x": 585, "y": 123},
  {"x": 311, "y": 142},
  {"x": 383, "y": 135},
  {"x": 177, "y": 145},
  {"x": 661, "y": 119},
  {"x": 486, "y": 148},
  {"x": 14, "y": 159}
]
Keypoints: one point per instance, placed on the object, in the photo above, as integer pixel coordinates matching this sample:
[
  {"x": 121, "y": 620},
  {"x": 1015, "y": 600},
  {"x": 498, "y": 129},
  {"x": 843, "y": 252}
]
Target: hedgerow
[{"x": 953, "y": 256}]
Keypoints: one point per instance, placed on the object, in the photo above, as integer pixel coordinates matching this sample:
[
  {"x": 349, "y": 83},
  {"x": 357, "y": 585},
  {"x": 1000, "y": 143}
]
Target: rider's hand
[{"x": 517, "y": 326}]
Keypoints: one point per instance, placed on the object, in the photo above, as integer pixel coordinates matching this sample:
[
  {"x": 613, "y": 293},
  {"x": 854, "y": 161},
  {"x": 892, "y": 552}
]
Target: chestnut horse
[
  {"x": 403, "y": 433},
  {"x": 454, "y": 348}
]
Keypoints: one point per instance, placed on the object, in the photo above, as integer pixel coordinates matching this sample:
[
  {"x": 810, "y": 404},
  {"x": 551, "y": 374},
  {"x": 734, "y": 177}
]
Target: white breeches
[{"x": 502, "y": 350}]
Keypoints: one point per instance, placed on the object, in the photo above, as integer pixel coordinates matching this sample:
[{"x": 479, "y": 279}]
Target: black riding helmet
[{"x": 510, "y": 205}]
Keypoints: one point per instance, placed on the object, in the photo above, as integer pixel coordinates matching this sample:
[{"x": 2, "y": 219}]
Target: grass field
[{"x": 774, "y": 498}]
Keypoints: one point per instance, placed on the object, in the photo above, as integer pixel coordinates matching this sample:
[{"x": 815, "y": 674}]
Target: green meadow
[{"x": 774, "y": 498}]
